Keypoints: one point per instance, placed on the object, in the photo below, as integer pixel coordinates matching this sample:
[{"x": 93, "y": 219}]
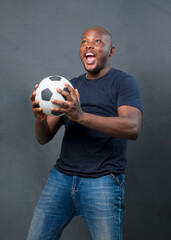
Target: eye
[
  {"x": 97, "y": 41},
  {"x": 84, "y": 42}
]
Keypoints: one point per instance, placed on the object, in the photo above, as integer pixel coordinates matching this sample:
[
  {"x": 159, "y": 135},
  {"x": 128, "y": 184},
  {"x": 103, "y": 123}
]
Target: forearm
[
  {"x": 46, "y": 129},
  {"x": 118, "y": 127},
  {"x": 42, "y": 131}
]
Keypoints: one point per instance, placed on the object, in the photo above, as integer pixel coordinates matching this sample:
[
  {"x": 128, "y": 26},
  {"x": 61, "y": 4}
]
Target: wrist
[
  {"x": 82, "y": 118},
  {"x": 41, "y": 120}
]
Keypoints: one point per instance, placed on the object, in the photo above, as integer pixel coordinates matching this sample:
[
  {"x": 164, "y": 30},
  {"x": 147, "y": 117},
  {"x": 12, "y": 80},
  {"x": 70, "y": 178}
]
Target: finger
[
  {"x": 36, "y": 86},
  {"x": 77, "y": 94},
  {"x": 59, "y": 109},
  {"x": 65, "y": 93},
  {"x": 32, "y": 97},
  {"x": 38, "y": 110},
  {"x": 71, "y": 90},
  {"x": 60, "y": 103},
  {"x": 35, "y": 104}
]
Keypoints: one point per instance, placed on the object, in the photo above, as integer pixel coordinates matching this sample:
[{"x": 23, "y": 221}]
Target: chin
[{"x": 92, "y": 69}]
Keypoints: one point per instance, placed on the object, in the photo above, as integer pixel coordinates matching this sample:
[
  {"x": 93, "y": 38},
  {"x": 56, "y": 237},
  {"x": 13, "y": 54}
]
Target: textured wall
[{"x": 40, "y": 38}]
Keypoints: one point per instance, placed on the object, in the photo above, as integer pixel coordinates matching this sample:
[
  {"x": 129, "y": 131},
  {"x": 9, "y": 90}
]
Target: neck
[{"x": 94, "y": 75}]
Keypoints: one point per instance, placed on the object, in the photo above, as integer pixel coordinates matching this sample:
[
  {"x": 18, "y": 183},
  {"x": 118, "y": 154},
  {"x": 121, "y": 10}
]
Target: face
[{"x": 96, "y": 50}]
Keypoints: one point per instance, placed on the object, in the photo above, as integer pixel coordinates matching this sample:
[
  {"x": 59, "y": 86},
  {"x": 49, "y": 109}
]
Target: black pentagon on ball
[
  {"x": 56, "y": 113},
  {"x": 55, "y": 78},
  {"x": 66, "y": 90},
  {"x": 46, "y": 94}
]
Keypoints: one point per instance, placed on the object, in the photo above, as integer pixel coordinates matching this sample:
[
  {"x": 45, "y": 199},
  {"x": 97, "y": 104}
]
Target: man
[{"x": 101, "y": 113}]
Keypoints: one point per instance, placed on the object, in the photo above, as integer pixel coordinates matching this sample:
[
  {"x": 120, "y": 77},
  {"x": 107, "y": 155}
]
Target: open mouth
[{"x": 90, "y": 57}]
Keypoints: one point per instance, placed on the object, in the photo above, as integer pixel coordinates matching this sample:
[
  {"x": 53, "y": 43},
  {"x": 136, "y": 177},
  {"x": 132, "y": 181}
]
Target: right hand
[{"x": 38, "y": 113}]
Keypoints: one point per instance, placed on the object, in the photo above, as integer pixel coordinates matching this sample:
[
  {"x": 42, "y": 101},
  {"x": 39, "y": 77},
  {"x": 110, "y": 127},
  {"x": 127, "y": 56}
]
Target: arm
[
  {"x": 45, "y": 126},
  {"x": 45, "y": 130},
  {"x": 127, "y": 125}
]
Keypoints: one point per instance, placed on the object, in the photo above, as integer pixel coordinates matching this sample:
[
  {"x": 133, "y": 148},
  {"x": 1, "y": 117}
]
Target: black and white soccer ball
[{"x": 46, "y": 91}]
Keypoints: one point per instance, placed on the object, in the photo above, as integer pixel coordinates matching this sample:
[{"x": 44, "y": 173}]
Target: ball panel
[
  {"x": 56, "y": 113},
  {"x": 46, "y": 94},
  {"x": 55, "y": 78}
]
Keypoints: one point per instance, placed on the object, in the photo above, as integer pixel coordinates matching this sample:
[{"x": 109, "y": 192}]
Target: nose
[{"x": 89, "y": 45}]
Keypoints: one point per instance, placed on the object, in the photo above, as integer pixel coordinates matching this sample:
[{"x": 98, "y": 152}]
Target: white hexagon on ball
[{"x": 46, "y": 91}]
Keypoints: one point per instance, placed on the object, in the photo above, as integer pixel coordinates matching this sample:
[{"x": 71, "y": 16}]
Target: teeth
[{"x": 89, "y": 54}]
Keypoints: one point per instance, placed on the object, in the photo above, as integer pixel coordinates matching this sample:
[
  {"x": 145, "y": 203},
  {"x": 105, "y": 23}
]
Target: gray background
[{"x": 40, "y": 38}]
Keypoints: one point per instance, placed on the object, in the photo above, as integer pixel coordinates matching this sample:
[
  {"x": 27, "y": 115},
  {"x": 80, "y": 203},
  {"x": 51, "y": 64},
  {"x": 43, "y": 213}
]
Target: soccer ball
[{"x": 47, "y": 91}]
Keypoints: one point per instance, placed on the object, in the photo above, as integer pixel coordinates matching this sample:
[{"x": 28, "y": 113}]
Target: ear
[{"x": 112, "y": 51}]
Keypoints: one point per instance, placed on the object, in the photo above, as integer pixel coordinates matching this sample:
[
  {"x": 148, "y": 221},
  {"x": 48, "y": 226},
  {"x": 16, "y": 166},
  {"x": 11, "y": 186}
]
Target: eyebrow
[{"x": 97, "y": 36}]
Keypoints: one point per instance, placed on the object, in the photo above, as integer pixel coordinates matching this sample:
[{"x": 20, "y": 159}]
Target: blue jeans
[{"x": 98, "y": 200}]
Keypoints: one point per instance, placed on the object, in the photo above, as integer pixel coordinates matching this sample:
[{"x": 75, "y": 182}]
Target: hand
[
  {"x": 36, "y": 108},
  {"x": 71, "y": 107}
]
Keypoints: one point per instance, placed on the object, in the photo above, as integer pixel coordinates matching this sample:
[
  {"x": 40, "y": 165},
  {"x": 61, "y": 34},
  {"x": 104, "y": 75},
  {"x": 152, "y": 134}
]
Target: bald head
[{"x": 100, "y": 31}]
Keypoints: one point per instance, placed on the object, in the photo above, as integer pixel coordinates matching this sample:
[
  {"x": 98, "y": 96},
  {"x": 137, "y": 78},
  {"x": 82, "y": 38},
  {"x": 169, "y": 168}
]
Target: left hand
[{"x": 71, "y": 107}]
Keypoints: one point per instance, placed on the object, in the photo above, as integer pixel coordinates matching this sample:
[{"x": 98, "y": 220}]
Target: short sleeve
[{"x": 129, "y": 93}]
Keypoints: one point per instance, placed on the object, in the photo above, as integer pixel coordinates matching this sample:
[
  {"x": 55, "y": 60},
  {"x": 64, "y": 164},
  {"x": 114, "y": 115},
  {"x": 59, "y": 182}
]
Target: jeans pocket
[{"x": 118, "y": 178}]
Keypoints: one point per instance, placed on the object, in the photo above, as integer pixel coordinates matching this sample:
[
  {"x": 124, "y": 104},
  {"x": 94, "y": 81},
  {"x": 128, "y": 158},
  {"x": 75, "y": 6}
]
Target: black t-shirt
[{"x": 89, "y": 153}]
